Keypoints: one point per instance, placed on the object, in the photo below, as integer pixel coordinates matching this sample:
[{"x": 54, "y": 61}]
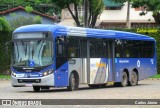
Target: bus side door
[{"x": 61, "y": 73}]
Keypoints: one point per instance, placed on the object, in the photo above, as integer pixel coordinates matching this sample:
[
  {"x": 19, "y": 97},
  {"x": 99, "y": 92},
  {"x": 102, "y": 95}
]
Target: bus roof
[{"x": 82, "y": 32}]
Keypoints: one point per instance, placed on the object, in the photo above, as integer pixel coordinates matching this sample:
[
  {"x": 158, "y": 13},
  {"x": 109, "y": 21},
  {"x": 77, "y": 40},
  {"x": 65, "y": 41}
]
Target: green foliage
[
  {"x": 28, "y": 9},
  {"x": 43, "y": 6},
  {"x": 4, "y": 26},
  {"x": 5, "y": 77},
  {"x": 37, "y": 20},
  {"x": 95, "y": 8},
  {"x": 22, "y": 21},
  {"x": 149, "y": 5},
  {"x": 5, "y": 60},
  {"x": 156, "y": 76},
  {"x": 5, "y": 36}
]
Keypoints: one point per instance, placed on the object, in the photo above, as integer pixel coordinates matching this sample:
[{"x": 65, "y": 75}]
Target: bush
[
  {"x": 22, "y": 21},
  {"x": 4, "y": 26},
  {"x": 28, "y": 9},
  {"x": 5, "y": 60},
  {"x": 37, "y": 20},
  {"x": 5, "y": 36}
]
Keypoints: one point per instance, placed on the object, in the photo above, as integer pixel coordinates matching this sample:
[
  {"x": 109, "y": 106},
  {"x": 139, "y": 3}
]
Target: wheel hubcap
[{"x": 133, "y": 78}]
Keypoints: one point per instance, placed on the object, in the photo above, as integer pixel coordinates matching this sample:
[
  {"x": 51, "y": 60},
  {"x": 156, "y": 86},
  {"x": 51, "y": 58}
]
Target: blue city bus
[{"x": 45, "y": 56}]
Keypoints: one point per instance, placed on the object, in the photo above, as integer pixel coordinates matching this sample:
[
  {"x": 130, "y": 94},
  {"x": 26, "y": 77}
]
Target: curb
[
  {"x": 152, "y": 79},
  {"x": 5, "y": 79}
]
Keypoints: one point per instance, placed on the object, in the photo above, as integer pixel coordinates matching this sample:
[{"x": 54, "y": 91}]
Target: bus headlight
[
  {"x": 48, "y": 72},
  {"x": 13, "y": 74}
]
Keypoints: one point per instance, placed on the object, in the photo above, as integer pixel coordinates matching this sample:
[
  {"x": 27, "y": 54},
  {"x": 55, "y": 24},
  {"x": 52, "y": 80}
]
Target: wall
[
  {"x": 121, "y": 15},
  {"x": 11, "y": 15}
]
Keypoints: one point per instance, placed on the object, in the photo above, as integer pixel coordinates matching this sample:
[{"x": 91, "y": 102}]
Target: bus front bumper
[{"x": 39, "y": 81}]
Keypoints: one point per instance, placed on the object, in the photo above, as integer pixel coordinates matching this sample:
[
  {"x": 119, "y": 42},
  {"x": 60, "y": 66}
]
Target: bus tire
[
  {"x": 72, "y": 83},
  {"x": 134, "y": 79},
  {"x": 45, "y": 88},
  {"x": 36, "y": 88},
  {"x": 124, "y": 80}
]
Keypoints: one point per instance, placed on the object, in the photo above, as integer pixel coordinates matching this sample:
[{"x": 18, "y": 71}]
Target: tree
[
  {"x": 128, "y": 24},
  {"x": 95, "y": 8},
  {"x": 19, "y": 20},
  {"x": 4, "y": 26},
  {"x": 43, "y": 6},
  {"x": 66, "y": 4},
  {"x": 149, "y": 5}
]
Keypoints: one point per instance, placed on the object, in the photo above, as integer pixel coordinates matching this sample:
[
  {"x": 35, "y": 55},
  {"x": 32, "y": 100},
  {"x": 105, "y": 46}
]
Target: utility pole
[
  {"x": 85, "y": 5},
  {"x": 85, "y": 24},
  {"x": 128, "y": 23}
]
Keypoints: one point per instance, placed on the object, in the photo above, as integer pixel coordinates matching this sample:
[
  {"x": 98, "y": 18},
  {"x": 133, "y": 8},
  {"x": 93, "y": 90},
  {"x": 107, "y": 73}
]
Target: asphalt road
[{"x": 146, "y": 89}]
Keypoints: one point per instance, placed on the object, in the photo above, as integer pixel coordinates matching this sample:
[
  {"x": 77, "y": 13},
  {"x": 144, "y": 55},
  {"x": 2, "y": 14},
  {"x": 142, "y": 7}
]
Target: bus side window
[
  {"x": 127, "y": 53},
  {"x": 118, "y": 48},
  {"x": 73, "y": 47},
  {"x": 60, "y": 49}
]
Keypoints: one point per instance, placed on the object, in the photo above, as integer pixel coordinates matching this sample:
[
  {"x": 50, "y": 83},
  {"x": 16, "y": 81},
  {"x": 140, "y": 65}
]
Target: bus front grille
[{"x": 29, "y": 80}]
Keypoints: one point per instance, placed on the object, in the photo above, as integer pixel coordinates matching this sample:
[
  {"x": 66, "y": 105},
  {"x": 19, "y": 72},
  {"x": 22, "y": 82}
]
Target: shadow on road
[{"x": 82, "y": 89}]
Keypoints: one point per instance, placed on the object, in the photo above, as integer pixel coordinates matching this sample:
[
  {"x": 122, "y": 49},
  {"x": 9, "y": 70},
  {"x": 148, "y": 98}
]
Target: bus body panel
[
  {"x": 146, "y": 67},
  {"x": 44, "y": 81},
  {"x": 77, "y": 65},
  {"x": 98, "y": 70},
  {"x": 32, "y": 76},
  {"x": 61, "y": 76}
]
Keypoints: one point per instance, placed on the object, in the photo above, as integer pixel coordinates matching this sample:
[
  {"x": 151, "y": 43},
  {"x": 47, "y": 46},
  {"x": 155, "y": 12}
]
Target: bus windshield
[{"x": 33, "y": 53}]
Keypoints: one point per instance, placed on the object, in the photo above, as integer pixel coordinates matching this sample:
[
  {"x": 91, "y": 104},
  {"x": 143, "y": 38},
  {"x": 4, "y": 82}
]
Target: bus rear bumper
[{"x": 40, "y": 81}]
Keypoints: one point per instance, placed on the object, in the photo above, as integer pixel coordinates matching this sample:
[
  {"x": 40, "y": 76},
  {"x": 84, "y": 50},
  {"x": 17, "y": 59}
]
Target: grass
[
  {"x": 156, "y": 76},
  {"x": 4, "y": 77}
]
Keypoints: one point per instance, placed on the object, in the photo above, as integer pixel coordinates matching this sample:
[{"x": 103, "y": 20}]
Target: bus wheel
[
  {"x": 124, "y": 79},
  {"x": 72, "y": 83},
  {"x": 36, "y": 88},
  {"x": 134, "y": 79}
]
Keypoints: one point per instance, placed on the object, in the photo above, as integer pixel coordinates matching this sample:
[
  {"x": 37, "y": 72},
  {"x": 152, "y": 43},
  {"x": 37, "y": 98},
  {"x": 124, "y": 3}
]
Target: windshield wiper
[{"x": 21, "y": 63}]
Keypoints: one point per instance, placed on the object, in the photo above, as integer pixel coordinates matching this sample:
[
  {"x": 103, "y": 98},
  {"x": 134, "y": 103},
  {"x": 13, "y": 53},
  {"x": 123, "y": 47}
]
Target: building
[
  {"x": 45, "y": 19},
  {"x": 114, "y": 15}
]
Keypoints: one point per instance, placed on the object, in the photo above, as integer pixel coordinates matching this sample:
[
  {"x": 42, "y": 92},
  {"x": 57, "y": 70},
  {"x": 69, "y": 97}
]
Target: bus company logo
[
  {"x": 27, "y": 75},
  {"x": 138, "y": 63},
  {"x": 99, "y": 65},
  {"x": 123, "y": 61}
]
